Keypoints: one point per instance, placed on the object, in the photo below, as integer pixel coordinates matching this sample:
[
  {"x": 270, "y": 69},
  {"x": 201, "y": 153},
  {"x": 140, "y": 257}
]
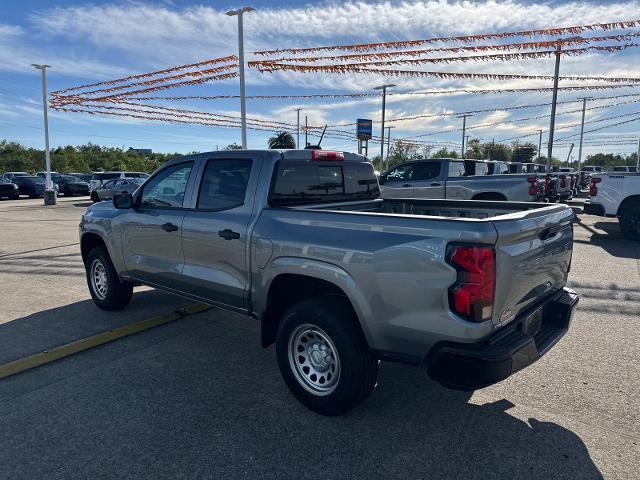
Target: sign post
[{"x": 364, "y": 131}]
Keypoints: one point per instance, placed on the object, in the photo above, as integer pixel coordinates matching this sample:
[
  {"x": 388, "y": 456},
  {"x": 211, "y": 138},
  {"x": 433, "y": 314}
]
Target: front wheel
[
  {"x": 323, "y": 356},
  {"x": 630, "y": 222},
  {"x": 107, "y": 291}
]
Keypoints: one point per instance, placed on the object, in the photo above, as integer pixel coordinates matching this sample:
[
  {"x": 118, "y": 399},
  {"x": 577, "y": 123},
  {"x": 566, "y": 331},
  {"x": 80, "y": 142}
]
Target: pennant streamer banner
[
  {"x": 458, "y": 49},
  {"x": 229, "y": 58},
  {"x": 363, "y": 47}
]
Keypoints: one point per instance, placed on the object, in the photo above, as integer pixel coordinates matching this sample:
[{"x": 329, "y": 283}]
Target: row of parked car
[
  {"x": 479, "y": 180},
  {"x": 99, "y": 185}
]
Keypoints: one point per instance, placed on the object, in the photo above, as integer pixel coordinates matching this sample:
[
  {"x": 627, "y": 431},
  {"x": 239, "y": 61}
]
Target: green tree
[
  {"x": 282, "y": 140},
  {"x": 497, "y": 151},
  {"x": 232, "y": 146},
  {"x": 475, "y": 149},
  {"x": 523, "y": 152},
  {"x": 445, "y": 153}
]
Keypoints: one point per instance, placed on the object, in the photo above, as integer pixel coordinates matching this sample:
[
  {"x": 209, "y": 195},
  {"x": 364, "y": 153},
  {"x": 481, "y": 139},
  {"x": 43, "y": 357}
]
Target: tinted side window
[
  {"x": 426, "y": 171},
  {"x": 456, "y": 169},
  {"x": 167, "y": 188},
  {"x": 633, "y": 169},
  {"x": 224, "y": 184},
  {"x": 105, "y": 176}
]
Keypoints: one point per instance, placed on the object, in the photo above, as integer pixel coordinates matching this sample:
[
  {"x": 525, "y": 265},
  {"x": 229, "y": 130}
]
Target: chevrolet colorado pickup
[
  {"x": 338, "y": 277},
  {"x": 617, "y": 194}
]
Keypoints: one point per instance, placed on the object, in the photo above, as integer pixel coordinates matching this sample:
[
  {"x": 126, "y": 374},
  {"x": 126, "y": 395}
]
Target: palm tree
[{"x": 282, "y": 140}]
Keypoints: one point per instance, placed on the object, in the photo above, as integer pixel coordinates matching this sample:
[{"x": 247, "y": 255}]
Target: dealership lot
[{"x": 200, "y": 397}]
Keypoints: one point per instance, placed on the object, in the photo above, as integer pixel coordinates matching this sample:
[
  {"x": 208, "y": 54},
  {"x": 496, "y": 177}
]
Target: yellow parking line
[{"x": 62, "y": 351}]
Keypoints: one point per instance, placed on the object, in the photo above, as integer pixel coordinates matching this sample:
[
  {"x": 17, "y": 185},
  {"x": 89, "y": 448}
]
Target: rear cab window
[{"x": 298, "y": 182}]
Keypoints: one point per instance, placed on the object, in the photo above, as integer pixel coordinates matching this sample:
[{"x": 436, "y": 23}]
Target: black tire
[
  {"x": 108, "y": 293},
  {"x": 94, "y": 197},
  {"x": 630, "y": 222},
  {"x": 329, "y": 316}
]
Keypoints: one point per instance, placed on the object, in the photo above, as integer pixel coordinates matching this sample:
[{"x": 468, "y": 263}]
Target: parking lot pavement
[{"x": 200, "y": 398}]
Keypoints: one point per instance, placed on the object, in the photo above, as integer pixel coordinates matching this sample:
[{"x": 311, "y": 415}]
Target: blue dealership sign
[{"x": 365, "y": 127}]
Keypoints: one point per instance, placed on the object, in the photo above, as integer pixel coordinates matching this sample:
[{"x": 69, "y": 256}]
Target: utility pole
[
  {"x": 554, "y": 100},
  {"x": 584, "y": 107},
  {"x": 298, "y": 129},
  {"x": 539, "y": 144},
  {"x": 384, "y": 101},
  {"x": 243, "y": 106},
  {"x": 638, "y": 157},
  {"x": 306, "y": 132},
  {"x": 464, "y": 130},
  {"x": 49, "y": 194},
  {"x": 388, "y": 146}
]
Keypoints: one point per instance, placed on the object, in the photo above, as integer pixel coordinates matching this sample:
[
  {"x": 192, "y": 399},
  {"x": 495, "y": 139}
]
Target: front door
[
  {"x": 429, "y": 180},
  {"x": 398, "y": 183},
  {"x": 152, "y": 232},
  {"x": 215, "y": 234}
]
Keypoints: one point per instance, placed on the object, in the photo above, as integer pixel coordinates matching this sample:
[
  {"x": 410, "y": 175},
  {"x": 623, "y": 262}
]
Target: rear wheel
[
  {"x": 107, "y": 291},
  {"x": 323, "y": 355},
  {"x": 630, "y": 222}
]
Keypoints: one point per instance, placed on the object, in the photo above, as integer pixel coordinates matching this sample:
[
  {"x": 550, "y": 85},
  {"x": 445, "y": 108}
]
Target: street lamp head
[
  {"x": 240, "y": 11},
  {"x": 381, "y": 87},
  {"x": 40, "y": 67}
]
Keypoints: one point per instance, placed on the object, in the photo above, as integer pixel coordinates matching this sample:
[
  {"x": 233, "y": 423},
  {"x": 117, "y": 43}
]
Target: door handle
[
  {"x": 228, "y": 234},
  {"x": 407, "y": 185},
  {"x": 169, "y": 227},
  {"x": 436, "y": 184}
]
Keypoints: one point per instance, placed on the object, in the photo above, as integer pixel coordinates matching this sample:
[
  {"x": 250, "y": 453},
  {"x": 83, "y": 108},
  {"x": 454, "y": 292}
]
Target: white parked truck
[{"x": 617, "y": 194}]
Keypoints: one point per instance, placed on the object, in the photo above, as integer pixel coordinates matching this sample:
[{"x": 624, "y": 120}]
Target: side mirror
[
  {"x": 123, "y": 201},
  {"x": 382, "y": 179}
]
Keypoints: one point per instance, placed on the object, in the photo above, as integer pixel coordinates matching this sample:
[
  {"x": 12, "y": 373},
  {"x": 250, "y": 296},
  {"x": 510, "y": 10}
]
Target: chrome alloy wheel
[
  {"x": 314, "y": 359},
  {"x": 99, "y": 281}
]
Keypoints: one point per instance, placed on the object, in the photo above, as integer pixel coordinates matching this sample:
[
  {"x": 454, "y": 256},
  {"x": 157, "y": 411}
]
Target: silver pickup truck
[
  {"x": 459, "y": 180},
  {"x": 338, "y": 277}
]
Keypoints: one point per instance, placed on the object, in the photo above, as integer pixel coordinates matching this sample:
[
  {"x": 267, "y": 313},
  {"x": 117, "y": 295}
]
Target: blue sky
[{"x": 87, "y": 42}]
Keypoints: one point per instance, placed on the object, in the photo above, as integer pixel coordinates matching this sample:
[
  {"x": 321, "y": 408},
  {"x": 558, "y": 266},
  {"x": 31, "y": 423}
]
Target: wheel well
[
  {"x": 489, "y": 196},
  {"x": 285, "y": 291},
  {"x": 631, "y": 201},
  {"x": 88, "y": 242}
]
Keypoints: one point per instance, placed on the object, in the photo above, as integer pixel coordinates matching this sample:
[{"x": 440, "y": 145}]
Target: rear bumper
[
  {"x": 593, "y": 209},
  {"x": 473, "y": 366}
]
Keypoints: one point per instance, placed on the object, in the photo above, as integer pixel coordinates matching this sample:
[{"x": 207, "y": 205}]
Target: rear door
[
  {"x": 216, "y": 233},
  {"x": 152, "y": 232},
  {"x": 429, "y": 179}
]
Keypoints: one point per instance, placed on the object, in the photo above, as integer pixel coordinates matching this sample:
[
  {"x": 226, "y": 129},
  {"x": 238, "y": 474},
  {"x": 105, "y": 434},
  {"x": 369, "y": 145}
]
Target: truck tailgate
[{"x": 533, "y": 256}]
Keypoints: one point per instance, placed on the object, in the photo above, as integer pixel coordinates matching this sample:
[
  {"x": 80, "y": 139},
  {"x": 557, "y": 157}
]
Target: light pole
[
  {"x": 638, "y": 157},
  {"x": 584, "y": 107},
  {"x": 243, "y": 107},
  {"x": 464, "y": 131},
  {"x": 539, "y": 144},
  {"x": 384, "y": 101},
  {"x": 554, "y": 100},
  {"x": 298, "y": 129},
  {"x": 49, "y": 194}
]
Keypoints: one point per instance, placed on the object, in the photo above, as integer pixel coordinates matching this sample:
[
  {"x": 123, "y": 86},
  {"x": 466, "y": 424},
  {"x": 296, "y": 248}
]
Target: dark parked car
[
  {"x": 32, "y": 186},
  {"x": 8, "y": 189},
  {"x": 70, "y": 185},
  {"x": 11, "y": 175},
  {"x": 108, "y": 189}
]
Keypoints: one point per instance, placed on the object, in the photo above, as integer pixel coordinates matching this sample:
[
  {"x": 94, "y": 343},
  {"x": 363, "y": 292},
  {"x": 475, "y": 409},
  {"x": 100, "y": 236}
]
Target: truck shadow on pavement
[
  {"x": 612, "y": 241},
  {"x": 200, "y": 398}
]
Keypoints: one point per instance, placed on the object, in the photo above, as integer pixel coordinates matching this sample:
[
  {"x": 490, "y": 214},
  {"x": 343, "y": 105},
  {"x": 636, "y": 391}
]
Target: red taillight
[
  {"x": 327, "y": 155},
  {"x": 533, "y": 185},
  {"x": 563, "y": 181},
  {"x": 471, "y": 296},
  {"x": 593, "y": 190}
]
